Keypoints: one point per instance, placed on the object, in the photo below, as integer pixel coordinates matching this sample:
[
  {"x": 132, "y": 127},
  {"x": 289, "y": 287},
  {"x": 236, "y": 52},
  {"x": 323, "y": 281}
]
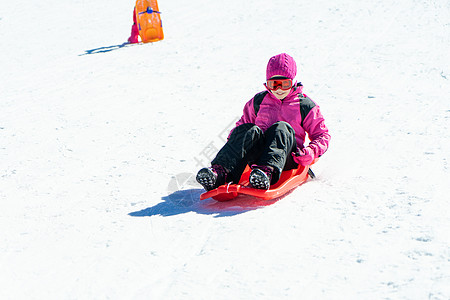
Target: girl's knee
[
  {"x": 248, "y": 127},
  {"x": 245, "y": 131},
  {"x": 284, "y": 126}
]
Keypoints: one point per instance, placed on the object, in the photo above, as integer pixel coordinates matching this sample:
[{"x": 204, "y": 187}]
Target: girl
[
  {"x": 271, "y": 133},
  {"x": 133, "y": 39}
]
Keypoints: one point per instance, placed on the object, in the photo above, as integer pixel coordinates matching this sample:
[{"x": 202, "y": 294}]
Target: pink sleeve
[
  {"x": 314, "y": 125},
  {"x": 248, "y": 115}
]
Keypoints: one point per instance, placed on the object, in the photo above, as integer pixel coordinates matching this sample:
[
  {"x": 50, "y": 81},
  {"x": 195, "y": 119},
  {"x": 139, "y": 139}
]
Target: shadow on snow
[
  {"x": 185, "y": 201},
  {"x": 107, "y": 48}
]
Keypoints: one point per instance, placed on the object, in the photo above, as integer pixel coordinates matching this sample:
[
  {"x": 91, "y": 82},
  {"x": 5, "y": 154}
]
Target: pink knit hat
[{"x": 281, "y": 64}]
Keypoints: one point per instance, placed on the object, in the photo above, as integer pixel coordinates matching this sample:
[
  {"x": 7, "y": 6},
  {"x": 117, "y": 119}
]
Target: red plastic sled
[{"x": 288, "y": 181}]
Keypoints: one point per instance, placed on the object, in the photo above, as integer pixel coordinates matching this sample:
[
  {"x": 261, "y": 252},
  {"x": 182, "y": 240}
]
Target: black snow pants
[{"x": 248, "y": 145}]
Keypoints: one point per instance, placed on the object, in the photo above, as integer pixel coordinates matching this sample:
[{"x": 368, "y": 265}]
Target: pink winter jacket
[{"x": 273, "y": 110}]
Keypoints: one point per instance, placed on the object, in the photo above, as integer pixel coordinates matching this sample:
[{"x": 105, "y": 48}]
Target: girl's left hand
[{"x": 304, "y": 156}]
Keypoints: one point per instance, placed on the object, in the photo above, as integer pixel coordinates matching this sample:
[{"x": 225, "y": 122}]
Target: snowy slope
[{"x": 98, "y": 145}]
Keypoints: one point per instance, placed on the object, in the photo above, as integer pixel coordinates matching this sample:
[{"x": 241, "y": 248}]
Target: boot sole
[
  {"x": 259, "y": 180},
  {"x": 207, "y": 179}
]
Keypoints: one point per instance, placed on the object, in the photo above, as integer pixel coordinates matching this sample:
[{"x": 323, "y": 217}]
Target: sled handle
[{"x": 311, "y": 173}]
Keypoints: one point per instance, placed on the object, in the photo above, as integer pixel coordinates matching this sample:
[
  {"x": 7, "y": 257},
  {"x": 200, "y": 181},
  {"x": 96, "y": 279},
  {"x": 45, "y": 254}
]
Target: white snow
[{"x": 98, "y": 146}]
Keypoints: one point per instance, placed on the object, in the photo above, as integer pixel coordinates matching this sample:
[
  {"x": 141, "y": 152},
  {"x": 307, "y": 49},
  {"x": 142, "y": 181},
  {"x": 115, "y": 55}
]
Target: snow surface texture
[{"x": 99, "y": 142}]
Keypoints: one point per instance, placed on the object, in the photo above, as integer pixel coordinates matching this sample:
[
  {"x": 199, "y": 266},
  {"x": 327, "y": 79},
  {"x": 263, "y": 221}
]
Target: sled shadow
[
  {"x": 185, "y": 201},
  {"x": 105, "y": 49}
]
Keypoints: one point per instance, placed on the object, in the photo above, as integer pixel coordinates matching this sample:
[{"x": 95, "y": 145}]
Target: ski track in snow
[{"x": 99, "y": 144}]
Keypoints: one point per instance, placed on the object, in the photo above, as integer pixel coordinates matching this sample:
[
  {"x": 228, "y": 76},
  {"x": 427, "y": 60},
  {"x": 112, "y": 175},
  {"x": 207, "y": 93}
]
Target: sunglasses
[{"x": 274, "y": 84}]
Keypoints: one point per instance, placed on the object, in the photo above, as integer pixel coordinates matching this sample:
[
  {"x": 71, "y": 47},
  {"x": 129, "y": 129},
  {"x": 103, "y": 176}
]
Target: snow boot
[
  {"x": 133, "y": 39},
  {"x": 212, "y": 177},
  {"x": 260, "y": 177}
]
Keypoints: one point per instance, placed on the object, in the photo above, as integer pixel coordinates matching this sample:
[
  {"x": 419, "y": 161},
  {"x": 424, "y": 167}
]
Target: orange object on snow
[
  {"x": 288, "y": 181},
  {"x": 148, "y": 19}
]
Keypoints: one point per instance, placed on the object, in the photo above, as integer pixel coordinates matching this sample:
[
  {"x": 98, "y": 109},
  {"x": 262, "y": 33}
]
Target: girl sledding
[{"x": 266, "y": 151}]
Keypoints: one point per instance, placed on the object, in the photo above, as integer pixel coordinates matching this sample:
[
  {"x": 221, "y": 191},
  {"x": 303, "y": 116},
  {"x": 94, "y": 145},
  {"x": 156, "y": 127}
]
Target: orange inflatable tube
[{"x": 148, "y": 19}]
